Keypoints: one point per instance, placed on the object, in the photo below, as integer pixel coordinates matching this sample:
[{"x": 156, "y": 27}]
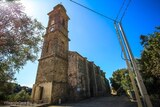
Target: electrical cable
[
  {"x": 123, "y": 57},
  {"x": 107, "y": 16},
  {"x": 92, "y": 10},
  {"x": 125, "y": 10},
  {"x": 120, "y": 9}
]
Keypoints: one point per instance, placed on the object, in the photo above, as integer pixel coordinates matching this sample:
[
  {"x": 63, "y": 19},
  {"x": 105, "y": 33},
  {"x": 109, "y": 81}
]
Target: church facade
[{"x": 62, "y": 74}]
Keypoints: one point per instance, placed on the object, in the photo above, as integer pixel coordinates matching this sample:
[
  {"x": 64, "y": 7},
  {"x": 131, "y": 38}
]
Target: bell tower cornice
[
  {"x": 58, "y": 8},
  {"x": 58, "y": 20},
  {"x": 56, "y": 37}
]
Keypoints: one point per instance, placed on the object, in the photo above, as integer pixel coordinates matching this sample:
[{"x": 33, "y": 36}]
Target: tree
[
  {"x": 20, "y": 40},
  {"x": 150, "y": 62},
  {"x": 20, "y": 96},
  {"x": 19, "y": 37},
  {"x": 5, "y": 89},
  {"x": 150, "y": 56},
  {"x": 120, "y": 81}
]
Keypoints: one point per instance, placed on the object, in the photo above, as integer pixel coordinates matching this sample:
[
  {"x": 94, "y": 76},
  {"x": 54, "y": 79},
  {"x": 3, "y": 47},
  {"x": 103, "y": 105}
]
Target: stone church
[{"x": 64, "y": 75}]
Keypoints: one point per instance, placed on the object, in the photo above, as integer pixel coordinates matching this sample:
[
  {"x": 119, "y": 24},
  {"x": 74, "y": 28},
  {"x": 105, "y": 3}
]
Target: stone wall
[
  {"x": 93, "y": 82},
  {"x": 72, "y": 75},
  {"x": 63, "y": 74},
  {"x": 77, "y": 76},
  {"x": 85, "y": 79}
]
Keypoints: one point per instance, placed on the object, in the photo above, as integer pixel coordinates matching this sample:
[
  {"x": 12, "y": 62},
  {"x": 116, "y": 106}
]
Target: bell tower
[{"x": 51, "y": 80}]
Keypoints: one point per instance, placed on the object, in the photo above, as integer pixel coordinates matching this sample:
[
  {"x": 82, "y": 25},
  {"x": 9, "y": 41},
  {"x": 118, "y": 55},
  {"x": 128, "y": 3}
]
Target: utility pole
[
  {"x": 142, "y": 88},
  {"x": 131, "y": 75}
]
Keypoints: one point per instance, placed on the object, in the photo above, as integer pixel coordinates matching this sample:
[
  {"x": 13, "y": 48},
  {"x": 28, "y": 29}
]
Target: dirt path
[{"x": 111, "y": 101}]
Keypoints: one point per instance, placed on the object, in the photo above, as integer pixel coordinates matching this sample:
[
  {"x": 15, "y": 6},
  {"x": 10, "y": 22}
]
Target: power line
[
  {"x": 123, "y": 57},
  {"x": 125, "y": 10},
  {"x": 120, "y": 9},
  {"x": 92, "y": 10}
]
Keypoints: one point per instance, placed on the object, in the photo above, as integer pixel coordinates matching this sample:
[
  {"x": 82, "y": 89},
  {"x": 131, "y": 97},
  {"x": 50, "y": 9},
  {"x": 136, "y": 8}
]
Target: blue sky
[{"x": 94, "y": 36}]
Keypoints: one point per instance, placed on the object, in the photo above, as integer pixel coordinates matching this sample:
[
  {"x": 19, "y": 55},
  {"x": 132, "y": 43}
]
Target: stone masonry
[{"x": 62, "y": 74}]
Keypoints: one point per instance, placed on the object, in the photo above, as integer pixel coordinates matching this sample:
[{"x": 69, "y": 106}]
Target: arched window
[{"x": 63, "y": 22}]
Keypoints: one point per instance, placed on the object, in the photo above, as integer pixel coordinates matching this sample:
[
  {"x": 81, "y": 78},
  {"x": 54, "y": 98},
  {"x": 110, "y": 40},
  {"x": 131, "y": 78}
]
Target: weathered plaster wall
[{"x": 41, "y": 93}]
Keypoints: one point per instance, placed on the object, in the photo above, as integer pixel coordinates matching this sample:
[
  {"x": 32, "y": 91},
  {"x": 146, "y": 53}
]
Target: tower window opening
[{"x": 63, "y": 22}]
